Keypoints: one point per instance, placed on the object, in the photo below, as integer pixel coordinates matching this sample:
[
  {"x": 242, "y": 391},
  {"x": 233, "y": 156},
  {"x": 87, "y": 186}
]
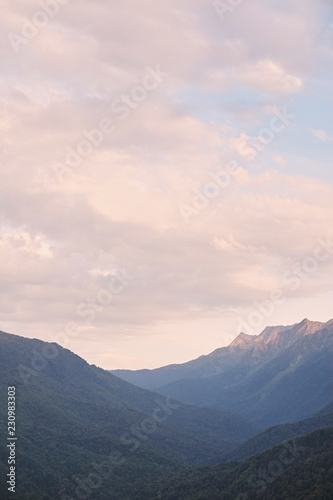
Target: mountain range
[
  {"x": 85, "y": 433},
  {"x": 283, "y": 375},
  {"x": 72, "y": 417}
]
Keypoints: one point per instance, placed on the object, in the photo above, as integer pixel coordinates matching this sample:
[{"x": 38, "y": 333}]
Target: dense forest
[
  {"x": 84, "y": 433},
  {"x": 300, "y": 469}
]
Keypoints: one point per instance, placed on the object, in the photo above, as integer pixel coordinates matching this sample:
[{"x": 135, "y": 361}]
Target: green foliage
[
  {"x": 301, "y": 469},
  {"x": 71, "y": 415},
  {"x": 275, "y": 435},
  {"x": 72, "y": 418}
]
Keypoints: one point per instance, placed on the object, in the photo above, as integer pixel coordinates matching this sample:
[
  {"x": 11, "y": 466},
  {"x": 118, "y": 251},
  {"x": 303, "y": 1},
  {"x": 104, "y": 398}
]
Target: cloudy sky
[{"x": 166, "y": 173}]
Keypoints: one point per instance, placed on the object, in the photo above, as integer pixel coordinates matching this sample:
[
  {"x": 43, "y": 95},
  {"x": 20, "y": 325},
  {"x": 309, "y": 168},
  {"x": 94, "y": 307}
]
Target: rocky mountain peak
[
  {"x": 243, "y": 339},
  {"x": 306, "y": 327}
]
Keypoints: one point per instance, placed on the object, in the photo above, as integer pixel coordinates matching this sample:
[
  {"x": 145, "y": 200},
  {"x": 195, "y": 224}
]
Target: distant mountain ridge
[
  {"x": 73, "y": 417},
  {"x": 272, "y": 338},
  {"x": 283, "y": 375}
]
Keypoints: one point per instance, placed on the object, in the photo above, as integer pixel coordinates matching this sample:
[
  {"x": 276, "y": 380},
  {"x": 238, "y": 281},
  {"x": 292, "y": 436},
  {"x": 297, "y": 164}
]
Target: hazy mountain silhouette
[{"x": 284, "y": 374}]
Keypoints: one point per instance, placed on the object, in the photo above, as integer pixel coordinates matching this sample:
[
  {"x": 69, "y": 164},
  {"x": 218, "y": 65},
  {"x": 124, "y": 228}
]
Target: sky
[{"x": 166, "y": 173}]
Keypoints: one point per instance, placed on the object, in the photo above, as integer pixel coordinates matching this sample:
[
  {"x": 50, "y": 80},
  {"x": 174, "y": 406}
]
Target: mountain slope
[
  {"x": 273, "y": 436},
  {"x": 245, "y": 354},
  {"x": 298, "y": 469},
  {"x": 291, "y": 386},
  {"x": 73, "y": 417}
]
